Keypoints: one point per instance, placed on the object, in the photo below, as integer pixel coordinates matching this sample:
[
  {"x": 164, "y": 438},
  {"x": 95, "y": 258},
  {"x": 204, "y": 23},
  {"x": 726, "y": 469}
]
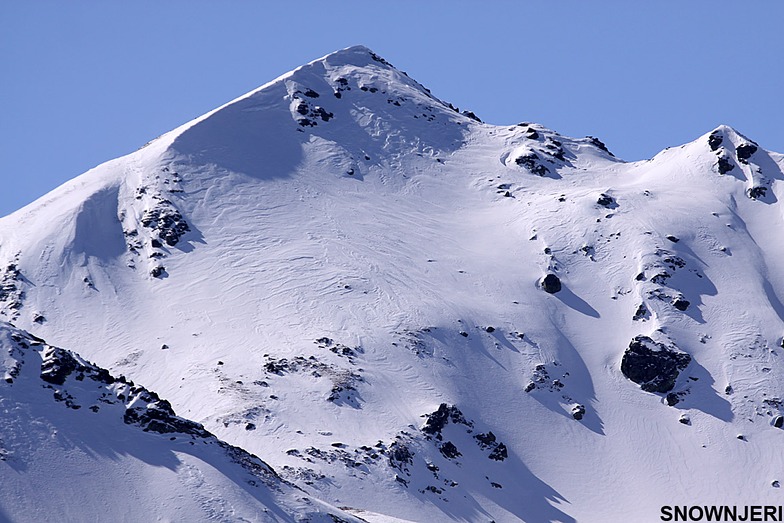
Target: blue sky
[{"x": 86, "y": 81}]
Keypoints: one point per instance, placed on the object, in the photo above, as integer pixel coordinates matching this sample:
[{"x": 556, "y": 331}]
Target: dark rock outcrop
[
  {"x": 532, "y": 162},
  {"x": 167, "y": 222},
  {"x": 724, "y": 165},
  {"x": 437, "y": 420},
  {"x": 551, "y": 284},
  {"x": 599, "y": 144},
  {"x": 744, "y": 152},
  {"x": 680, "y": 303},
  {"x": 715, "y": 139},
  {"x": 605, "y": 200},
  {"x": 652, "y": 365}
]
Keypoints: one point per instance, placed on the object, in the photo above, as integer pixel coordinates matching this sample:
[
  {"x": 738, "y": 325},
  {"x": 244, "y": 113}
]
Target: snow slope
[
  {"x": 81, "y": 445},
  {"x": 342, "y": 274}
]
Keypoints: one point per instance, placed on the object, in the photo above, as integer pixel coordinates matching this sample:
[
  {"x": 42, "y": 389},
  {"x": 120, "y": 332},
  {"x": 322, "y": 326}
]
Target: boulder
[
  {"x": 652, "y": 365},
  {"x": 551, "y": 284},
  {"x": 680, "y": 303}
]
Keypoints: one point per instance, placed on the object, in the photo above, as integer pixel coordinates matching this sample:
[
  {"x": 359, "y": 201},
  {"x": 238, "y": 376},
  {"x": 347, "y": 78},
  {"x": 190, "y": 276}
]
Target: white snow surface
[{"x": 358, "y": 253}]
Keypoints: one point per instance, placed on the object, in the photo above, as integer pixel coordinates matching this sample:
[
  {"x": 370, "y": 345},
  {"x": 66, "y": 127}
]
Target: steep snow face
[
  {"x": 77, "y": 442},
  {"x": 346, "y": 276}
]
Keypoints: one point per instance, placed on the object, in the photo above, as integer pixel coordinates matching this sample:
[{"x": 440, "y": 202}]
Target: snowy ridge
[
  {"x": 212, "y": 479},
  {"x": 423, "y": 317}
]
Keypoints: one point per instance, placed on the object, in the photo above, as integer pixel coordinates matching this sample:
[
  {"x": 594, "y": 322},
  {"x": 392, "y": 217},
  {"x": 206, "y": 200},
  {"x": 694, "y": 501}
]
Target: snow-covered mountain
[{"x": 409, "y": 313}]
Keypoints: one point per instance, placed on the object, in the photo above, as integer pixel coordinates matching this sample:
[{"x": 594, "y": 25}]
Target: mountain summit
[{"x": 418, "y": 316}]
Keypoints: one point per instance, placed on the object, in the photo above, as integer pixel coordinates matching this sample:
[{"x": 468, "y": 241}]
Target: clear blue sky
[{"x": 82, "y": 82}]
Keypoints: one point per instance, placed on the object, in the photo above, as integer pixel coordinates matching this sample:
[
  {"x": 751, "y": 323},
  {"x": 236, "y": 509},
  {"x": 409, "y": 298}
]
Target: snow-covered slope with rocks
[
  {"x": 418, "y": 316},
  {"x": 81, "y": 445}
]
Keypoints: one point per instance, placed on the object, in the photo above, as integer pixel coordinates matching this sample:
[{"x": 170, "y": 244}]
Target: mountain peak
[{"x": 353, "y": 55}]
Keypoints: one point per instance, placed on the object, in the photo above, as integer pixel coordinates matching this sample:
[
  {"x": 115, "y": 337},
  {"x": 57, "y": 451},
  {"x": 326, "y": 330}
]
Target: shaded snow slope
[
  {"x": 344, "y": 275},
  {"x": 80, "y": 445}
]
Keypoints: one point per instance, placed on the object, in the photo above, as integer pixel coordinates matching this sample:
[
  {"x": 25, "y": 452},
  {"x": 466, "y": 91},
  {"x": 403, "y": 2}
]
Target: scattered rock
[
  {"x": 652, "y": 365},
  {"x": 166, "y": 222},
  {"x": 551, "y": 284}
]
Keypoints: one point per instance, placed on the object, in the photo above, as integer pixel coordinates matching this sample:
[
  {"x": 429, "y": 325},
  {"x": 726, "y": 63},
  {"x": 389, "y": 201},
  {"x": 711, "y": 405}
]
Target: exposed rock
[
  {"x": 724, "y": 165},
  {"x": 652, "y": 365},
  {"x": 744, "y": 152},
  {"x": 686, "y": 420},
  {"x": 641, "y": 313},
  {"x": 160, "y": 418},
  {"x": 598, "y": 143},
  {"x": 499, "y": 453},
  {"x": 400, "y": 456},
  {"x": 167, "y": 222},
  {"x": 486, "y": 440},
  {"x": 437, "y": 420},
  {"x": 471, "y": 115},
  {"x": 715, "y": 139},
  {"x": 449, "y": 450},
  {"x": 605, "y": 200},
  {"x": 532, "y": 162},
  {"x": 755, "y": 193},
  {"x": 673, "y": 239},
  {"x": 778, "y": 421},
  {"x": 57, "y": 365},
  {"x": 578, "y": 411},
  {"x": 680, "y": 303},
  {"x": 551, "y": 284}
]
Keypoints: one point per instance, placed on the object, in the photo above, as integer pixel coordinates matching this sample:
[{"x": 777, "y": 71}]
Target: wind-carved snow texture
[{"x": 403, "y": 310}]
